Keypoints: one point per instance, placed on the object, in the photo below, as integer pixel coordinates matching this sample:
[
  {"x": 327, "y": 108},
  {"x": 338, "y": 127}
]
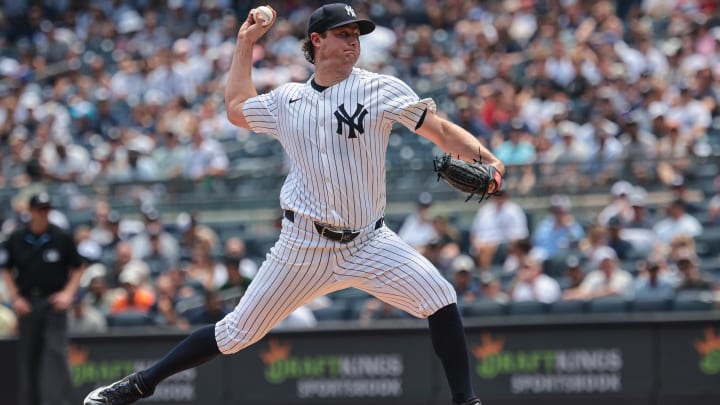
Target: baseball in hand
[{"x": 263, "y": 15}]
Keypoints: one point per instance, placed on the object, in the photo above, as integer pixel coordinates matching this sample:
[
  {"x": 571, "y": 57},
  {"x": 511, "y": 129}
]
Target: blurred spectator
[
  {"x": 713, "y": 207},
  {"x": 595, "y": 238},
  {"x": 615, "y": 240},
  {"x": 498, "y": 222},
  {"x": 212, "y": 311},
  {"x": 153, "y": 244},
  {"x": 573, "y": 275},
  {"x": 677, "y": 222},
  {"x": 115, "y": 236},
  {"x": 652, "y": 283},
  {"x": 692, "y": 279},
  {"x": 205, "y": 270},
  {"x": 115, "y": 263},
  {"x": 240, "y": 269},
  {"x": 155, "y": 258},
  {"x": 607, "y": 279},
  {"x": 97, "y": 294},
  {"x": 680, "y": 247},
  {"x": 620, "y": 205},
  {"x": 605, "y": 152},
  {"x": 463, "y": 271},
  {"x": 417, "y": 229},
  {"x": 84, "y": 318},
  {"x": 90, "y": 251},
  {"x": 164, "y": 310},
  {"x": 680, "y": 192},
  {"x": 517, "y": 151},
  {"x": 375, "y": 309},
  {"x": 517, "y": 251},
  {"x": 673, "y": 153},
  {"x": 567, "y": 156},
  {"x": 491, "y": 289},
  {"x": 301, "y": 317},
  {"x": 193, "y": 233},
  {"x": 531, "y": 284},
  {"x": 139, "y": 166},
  {"x": 448, "y": 241},
  {"x": 68, "y": 160},
  {"x": 205, "y": 157},
  {"x": 642, "y": 218},
  {"x": 170, "y": 157},
  {"x": 558, "y": 232},
  {"x": 639, "y": 147},
  {"x": 133, "y": 295},
  {"x": 100, "y": 227}
]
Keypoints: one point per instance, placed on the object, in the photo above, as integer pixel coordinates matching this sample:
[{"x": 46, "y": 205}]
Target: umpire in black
[{"x": 42, "y": 273}]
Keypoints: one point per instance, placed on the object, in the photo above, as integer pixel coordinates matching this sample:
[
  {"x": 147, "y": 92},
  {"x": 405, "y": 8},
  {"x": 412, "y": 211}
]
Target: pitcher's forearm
[{"x": 239, "y": 87}]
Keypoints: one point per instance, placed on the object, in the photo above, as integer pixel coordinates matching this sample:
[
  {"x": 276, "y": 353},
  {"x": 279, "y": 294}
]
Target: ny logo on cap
[{"x": 350, "y": 11}]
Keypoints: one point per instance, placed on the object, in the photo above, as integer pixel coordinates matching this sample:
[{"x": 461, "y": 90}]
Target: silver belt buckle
[{"x": 339, "y": 235}]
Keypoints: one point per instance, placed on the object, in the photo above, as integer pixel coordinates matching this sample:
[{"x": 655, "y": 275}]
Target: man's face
[
  {"x": 341, "y": 44},
  {"x": 607, "y": 266},
  {"x": 39, "y": 215}
]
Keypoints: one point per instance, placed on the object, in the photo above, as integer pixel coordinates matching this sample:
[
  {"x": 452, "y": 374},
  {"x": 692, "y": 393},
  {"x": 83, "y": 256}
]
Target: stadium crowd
[{"x": 570, "y": 94}]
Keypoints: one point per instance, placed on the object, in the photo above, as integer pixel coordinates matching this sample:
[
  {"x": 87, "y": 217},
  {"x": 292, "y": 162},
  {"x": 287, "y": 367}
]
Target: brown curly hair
[{"x": 308, "y": 48}]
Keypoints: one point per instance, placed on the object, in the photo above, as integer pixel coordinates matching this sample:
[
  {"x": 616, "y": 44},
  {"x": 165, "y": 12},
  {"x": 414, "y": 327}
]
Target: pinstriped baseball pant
[{"x": 302, "y": 266}]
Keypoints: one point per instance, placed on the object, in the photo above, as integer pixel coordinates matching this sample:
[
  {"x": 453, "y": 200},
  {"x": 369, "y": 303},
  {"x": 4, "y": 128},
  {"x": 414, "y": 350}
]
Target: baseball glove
[{"x": 475, "y": 178}]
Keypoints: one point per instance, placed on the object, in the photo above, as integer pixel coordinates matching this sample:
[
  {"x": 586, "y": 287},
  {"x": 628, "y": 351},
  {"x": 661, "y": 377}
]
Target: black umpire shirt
[{"x": 43, "y": 262}]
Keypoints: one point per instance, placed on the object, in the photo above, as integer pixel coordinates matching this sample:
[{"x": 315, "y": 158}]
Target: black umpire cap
[
  {"x": 41, "y": 200},
  {"x": 336, "y": 15}
]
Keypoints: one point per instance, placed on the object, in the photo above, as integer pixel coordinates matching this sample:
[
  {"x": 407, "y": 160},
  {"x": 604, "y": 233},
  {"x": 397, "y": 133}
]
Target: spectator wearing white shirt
[
  {"x": 620, "y": 205},
  {"x": 677, "y": 222},
  {"x": 417, "y": 229},
  {"x": 531, "y": 284},
  {"x": 606, "y": 280},
  {"x": 497, "y": 223}
]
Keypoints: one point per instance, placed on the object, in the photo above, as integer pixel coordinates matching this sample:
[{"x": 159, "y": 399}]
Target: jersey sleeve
[
  {"x": 403, "y": 105},
  {"x": 261, "y": 113}
]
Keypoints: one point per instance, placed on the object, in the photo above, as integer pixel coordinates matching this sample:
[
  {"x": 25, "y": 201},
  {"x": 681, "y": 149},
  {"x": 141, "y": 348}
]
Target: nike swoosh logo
[{"x": 294, "y": 100}]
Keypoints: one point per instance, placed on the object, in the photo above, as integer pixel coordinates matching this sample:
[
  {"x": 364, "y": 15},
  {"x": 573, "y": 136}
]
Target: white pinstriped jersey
[{"x": 337, "y": 140}]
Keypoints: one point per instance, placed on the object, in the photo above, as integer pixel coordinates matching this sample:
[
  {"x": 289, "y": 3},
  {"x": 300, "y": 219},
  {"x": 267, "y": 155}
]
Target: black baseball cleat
[
  {"x": 472, "y": 401},
  {"x": 125, "y": 391}
]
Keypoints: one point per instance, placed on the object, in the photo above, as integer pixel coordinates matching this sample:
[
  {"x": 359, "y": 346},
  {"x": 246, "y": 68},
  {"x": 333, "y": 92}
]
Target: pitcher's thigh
[
  {"x": 278, "y": 289},
  {"x": 394, "y": 272}
]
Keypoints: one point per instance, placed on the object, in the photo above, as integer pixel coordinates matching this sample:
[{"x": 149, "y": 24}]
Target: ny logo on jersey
[
  {"x": 354, "y": 121},
  {"x": 350, "y": 11}
]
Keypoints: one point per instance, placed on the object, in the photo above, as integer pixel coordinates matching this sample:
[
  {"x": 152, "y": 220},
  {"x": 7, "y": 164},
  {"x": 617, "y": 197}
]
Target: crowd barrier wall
[{"x": 648, "y": 359}]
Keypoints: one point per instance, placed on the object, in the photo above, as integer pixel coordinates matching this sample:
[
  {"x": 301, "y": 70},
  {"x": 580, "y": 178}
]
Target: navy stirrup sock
[
  {"x": 448, "y": 340},
  {"x": 199, "y": 347}
]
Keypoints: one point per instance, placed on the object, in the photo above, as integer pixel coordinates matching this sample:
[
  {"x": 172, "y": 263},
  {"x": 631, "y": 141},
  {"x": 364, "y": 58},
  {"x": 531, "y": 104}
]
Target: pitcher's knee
[
  {"x": 426, "y": 309},
  {"x": 231, "y": 338}
]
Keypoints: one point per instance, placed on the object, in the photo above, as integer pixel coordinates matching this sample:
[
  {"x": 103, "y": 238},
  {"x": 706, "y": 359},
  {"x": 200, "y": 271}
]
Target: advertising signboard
[
  {"x": 690, "y": 363},
  {"x": 307, "y": 369}
]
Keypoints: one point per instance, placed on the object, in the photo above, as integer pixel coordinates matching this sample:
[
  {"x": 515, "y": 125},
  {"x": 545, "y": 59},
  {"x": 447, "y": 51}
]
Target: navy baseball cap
[{"x": 336, "y": 15}]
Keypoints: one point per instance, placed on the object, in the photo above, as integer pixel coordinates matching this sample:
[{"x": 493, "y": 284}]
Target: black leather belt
[{"x": 334, "y": 234}]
